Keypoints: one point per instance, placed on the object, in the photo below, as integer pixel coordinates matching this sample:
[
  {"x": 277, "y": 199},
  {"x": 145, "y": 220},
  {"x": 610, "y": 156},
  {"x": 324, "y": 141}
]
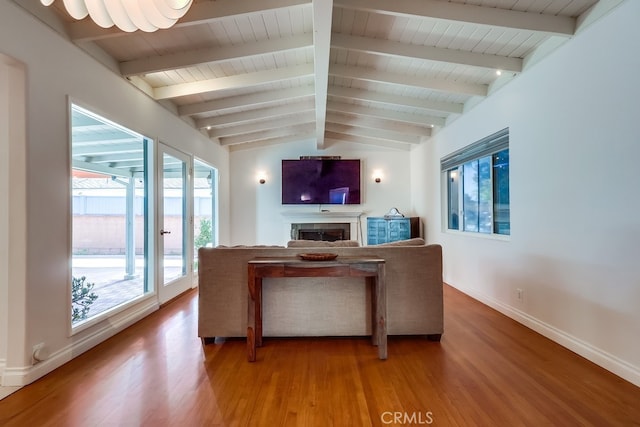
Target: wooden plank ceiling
[{"x": 375, "y": 72}]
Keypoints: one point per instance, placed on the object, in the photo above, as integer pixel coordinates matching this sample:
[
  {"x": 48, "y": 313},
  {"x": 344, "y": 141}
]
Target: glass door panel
[{"x": 173, "y": 221}]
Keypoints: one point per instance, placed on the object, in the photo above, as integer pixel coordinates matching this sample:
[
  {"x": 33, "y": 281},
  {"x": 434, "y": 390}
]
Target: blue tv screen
[{"x": 321, "y": 182}]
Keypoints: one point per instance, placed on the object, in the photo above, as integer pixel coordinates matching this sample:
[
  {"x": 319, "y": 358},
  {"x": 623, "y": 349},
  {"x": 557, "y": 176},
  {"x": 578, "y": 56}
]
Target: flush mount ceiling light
[{"x": 128, "y": 15}]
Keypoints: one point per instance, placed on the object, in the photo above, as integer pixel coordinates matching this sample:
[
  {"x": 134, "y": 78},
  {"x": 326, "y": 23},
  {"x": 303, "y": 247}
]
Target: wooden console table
[{"x": 372, "y": 269}]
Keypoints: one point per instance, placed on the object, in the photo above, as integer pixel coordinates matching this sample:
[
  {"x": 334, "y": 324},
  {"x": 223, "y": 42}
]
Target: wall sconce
[
  {"x": 377, "y": 176},
  {"x": 262, "y": 177}
]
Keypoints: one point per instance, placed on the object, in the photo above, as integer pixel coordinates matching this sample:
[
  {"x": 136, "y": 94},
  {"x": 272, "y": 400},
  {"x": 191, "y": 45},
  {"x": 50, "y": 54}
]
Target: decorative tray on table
[{"x": 318, "y": 256}]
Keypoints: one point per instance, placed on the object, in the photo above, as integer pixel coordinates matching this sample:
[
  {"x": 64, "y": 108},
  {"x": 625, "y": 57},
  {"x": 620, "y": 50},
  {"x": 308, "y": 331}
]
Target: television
[{"x": 321, "y": 181}]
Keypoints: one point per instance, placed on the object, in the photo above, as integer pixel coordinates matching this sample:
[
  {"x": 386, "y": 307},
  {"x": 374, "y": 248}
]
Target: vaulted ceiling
[{"x": 378, "y": 72}]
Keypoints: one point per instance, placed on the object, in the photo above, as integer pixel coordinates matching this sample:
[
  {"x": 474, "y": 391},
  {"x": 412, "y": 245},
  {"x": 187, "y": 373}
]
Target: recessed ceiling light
[{"x": 498, "y": 72}]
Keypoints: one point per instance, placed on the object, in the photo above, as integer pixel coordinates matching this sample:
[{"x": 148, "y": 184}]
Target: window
[
  {"x": 110, "y": 215},
  {"x": 477, "y": 186}
]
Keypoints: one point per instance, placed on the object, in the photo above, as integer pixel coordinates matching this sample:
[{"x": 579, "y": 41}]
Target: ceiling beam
[
  {"x": 190, "y": 58},
  {"x": 340, "y": 137},
  {"x": 298, "y": 137},
  {"x": 268, "y": 134},
  {"x": 423, "y": 82},
  {"x": 426, "y": 53},
  {"x": 416, "y": 119},
  {"x": 100, "y": 149},
  {"x": 107, "y": 170},
  {"x": 254, "y": 115},
  {"x": 322, "y": 12},
  {"x": 262, "y": 125},
  {"x": 130, "y": 165},
  {"x": 481, "y": 15},
  {"x": 238, "y": 81},
  {"x": 264, "y": 99},
  {"x": 104, "y": 138},
  {"x": 135, "y": 156},
  {"x": 387, "y": 135},
  {"x": 378, "y": 123},
  {"x": 395, "y": 100},
  {"x": 199, "y": 13}
]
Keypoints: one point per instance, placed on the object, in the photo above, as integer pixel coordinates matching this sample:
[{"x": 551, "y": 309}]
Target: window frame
[
  {"x": 147, "y": 281},
  {"x": 201, "y": 167},
  {"x": 452, "y": 168}
]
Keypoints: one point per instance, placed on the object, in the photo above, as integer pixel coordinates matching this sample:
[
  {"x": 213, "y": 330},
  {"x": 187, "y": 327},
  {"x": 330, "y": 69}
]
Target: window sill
[
  {"x": 498, "y": 237},
  {"x": 108, "y": 314}
]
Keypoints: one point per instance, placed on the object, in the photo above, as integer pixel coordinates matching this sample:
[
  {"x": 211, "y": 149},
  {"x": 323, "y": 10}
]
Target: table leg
[
  {"x": 376, "y": 285},
  {"x": 371, "y": 284},
  {"x": 253, "y": 314},
  {"x": 381, "y": 312},
  {"x": 251, "y": 345},
  {"x": 258, "y": 309}
]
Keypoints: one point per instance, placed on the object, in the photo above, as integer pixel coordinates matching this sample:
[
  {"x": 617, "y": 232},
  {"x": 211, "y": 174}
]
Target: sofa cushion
[
  {"x": 416, "y": 241},
  {"x": 322, "y": 244}
]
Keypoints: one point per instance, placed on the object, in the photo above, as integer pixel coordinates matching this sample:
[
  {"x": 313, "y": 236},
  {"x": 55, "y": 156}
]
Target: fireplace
[
  {"x": 322, "y": 225},
  {"x": 321, "y": 231}
]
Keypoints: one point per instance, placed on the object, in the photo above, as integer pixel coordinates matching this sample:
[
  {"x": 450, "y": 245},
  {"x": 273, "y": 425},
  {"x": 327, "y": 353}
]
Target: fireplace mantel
[
  {"x": 309, "y": 217},
  {"x": 322, "y": 216}
]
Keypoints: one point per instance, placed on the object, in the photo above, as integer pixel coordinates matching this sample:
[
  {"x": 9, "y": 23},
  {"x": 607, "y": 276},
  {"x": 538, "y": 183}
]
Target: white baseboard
[
  {"x": 22, "y": 376},
  {"x": 601, "y": 358},
  {"x": 6, "y": 391}
]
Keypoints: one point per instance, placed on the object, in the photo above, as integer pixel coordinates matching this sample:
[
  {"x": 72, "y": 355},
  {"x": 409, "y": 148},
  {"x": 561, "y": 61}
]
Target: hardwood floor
[{"x": 487, "y": 371}]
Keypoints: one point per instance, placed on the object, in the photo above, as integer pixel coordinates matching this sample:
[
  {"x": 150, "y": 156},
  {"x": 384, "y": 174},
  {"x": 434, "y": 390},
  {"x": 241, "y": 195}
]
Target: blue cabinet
[{"x": 385, "y": 230}]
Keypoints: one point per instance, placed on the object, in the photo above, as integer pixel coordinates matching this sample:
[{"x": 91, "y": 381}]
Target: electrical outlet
[{"x": 520, "y": 294}]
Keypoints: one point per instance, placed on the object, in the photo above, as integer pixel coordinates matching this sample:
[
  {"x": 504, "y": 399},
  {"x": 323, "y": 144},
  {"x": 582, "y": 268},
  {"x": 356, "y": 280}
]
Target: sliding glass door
[{"x": 174, "y": 217}]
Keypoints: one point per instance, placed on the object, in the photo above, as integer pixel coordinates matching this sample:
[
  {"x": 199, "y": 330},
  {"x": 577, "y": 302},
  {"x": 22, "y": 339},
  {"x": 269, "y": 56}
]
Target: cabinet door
[
  {"x": 399, "y": 229},
  {"x": 383, "y": 230},
  {"x": 376, "y": 231}
]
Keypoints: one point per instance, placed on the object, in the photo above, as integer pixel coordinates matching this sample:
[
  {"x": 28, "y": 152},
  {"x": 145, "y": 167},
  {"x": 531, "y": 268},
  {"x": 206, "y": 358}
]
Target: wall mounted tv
[{"x": 321, "y": 181}]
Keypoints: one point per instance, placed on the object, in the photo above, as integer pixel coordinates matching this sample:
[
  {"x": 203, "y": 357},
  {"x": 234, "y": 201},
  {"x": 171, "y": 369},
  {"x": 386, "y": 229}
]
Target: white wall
[
  {"x": 13, "y": 207},
  {"x": 575, "y": 228},
  {"x": 256, "y": 209},
  {"x": 56, "y": 70}
]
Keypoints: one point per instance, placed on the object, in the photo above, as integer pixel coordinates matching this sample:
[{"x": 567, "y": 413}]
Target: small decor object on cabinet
[
  {"x": 393, "y": 213},
  {"x": 391, "y": 228}
]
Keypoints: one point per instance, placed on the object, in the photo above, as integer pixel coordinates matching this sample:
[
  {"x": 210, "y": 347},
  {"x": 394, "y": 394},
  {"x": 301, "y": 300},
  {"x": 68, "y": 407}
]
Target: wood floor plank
[{"x": 487, "y": 371}]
